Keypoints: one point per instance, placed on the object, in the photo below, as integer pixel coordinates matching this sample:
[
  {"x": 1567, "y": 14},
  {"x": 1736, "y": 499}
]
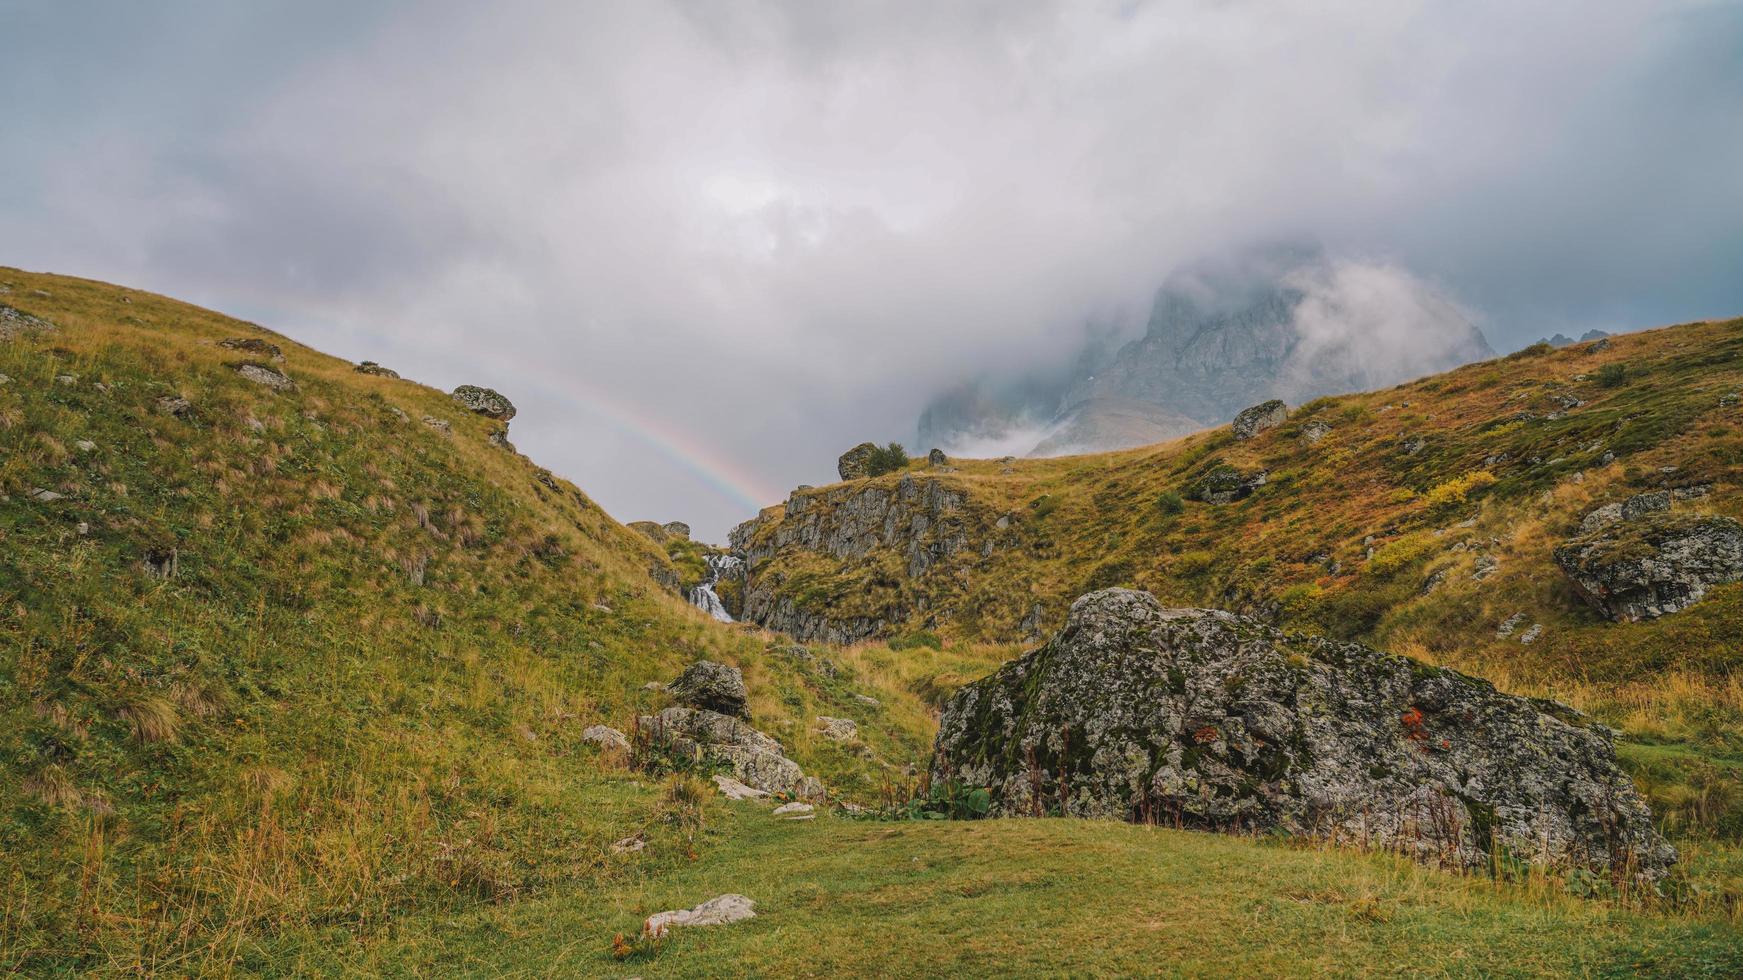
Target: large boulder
[
  {"x": 14, "y": 321},
  {"x": 711, "y": 686},
  {"x": 855, "y": 464},
  {"x": 1208, "y": 720},
  {"x": 1653, "y": 563},
  {"x": 1266, "y": 415},
  {"x": 485, "y": 401},
  {"x": 694, "y": 735},
  {"x": 937, "y": 458},
  {"x": 1224, "y": 484}
]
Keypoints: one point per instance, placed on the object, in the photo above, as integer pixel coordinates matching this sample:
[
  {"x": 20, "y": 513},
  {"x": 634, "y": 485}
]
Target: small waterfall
[{"x": 704, "y": 597}]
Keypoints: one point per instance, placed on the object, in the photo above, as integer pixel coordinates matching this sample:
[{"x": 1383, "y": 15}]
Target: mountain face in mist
[{"x": 1280, "y": 322}]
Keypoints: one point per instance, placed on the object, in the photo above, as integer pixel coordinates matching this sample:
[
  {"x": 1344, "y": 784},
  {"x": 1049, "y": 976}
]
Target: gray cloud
[{"x": 707, "y": 246}]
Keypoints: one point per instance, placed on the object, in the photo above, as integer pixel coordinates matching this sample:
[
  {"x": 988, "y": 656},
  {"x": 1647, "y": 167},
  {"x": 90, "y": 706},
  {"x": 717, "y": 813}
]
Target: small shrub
[
  {"x": 1170, "y": 503},
  {"x": 886, "y": 459},
  {"x": 916, "y": 640},
  {"x": 1538, "y": 349},
  {"x": 1044, "y": 505},
  {"x": 1612, "y": 375},
  {"x": 1458, "y": 489}
]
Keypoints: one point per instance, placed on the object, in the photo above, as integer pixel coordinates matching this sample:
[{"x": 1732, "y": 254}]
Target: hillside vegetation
[{"x": 294, "y": 679}]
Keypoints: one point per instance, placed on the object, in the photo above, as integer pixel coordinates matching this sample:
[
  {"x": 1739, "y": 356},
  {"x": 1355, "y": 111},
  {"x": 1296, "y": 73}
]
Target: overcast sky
[{"x": 704, "y": 246}]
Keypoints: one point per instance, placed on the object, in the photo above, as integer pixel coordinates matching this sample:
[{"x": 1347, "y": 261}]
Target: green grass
[{"x": 1046, "y": 897}]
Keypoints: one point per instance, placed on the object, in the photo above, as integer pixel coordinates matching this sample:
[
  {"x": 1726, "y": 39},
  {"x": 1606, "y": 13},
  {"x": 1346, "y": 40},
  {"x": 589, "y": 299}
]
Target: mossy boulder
[
  {"x": 1210, "y": 720},
  {"x": 855, "y": 464},
  {"x": 1656, "y": 563},
  {"x": 485, "y": 401}
]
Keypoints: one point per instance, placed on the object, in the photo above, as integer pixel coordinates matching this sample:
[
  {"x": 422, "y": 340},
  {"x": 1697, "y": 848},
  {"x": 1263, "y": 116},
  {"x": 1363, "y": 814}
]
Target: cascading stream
[{"x": 704, "y": 597}]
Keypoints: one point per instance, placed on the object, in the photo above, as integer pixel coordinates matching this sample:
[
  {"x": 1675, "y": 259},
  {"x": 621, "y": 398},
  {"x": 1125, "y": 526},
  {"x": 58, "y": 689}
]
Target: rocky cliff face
[
  {"x": 1213, "y": 721},
  {"x": 920, "y": 523}
]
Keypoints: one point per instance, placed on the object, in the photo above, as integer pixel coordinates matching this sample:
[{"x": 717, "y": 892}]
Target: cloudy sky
[{"x": 706, "y": 245}]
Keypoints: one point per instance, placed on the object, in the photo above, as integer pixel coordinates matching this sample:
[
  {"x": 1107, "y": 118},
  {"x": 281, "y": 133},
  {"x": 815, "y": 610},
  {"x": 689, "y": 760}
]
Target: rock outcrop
[
  {"x": 1205, "y": 719},
  {"x": 1261, "y": 417},
  {"x": 15, "y": 321},
  {"x": 712, "y": 687},
  {"x": 676, "y": 529},
  {"x": 924, "y": 519},
  {"x": 370, "y": 367},
  {"x": 261, "y": 374},
  {"x": 937, "y": 458},
  {"x": 484, "y": 401},
  {"x": 855, "y": 464},
  {"x": 1652, "y": 563},
  {"x": 718, "y": 911},
  {"x": 695, "y": 735},
  {"x": 1224, "y": 484}
]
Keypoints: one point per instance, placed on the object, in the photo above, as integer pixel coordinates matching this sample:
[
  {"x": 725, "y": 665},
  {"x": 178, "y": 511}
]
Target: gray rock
[
  {"x": 370, "y": 367},
  {"x": 261, "y": 374},
  {"x": 1652, "y": 566},
  {"x": 1507, "y": 628},
  {"x": 1601, "y": 517},
  {"x": 485, "y": 401},
  {"x": 66, "y": 379},
  {"x": 856, "y": 462},
  {"x": 1224, "y": 484},
  {"x": 718, "y": 911},
  {"x": 732, "y": 789},
  {"x": 794, "y": 810},
  {"x": 43, "y": 496},
  {"x": 175, "y": 405},
  {"x": 1266, "y": 415},
  {"x": 677, "y": 529},
  {"x": 1313, "y": 432},
  {"x": 85, "y": 446},
  {"x": 867, "y": 700},
  {"x": 629, "y": 845},
  {"x": 1214, "y": 721},
  {"x": 1530, "y": 636},
  {"x": 838, "y": 729},
  {"x": 255, "y": 346},
  {"x": 440, "y": 425},
  {"x": 714, "y": 687},
  {"x": 1413, "y": 445},
  {"x": 606, "y": 737},
  {"x": 1639, "y": 505},
  {"x": 695, "y": 735},
  {"x": 937, "y": 458},
  {"x": 1486, "y": 566},
  {"x": 14, "y": 321}
]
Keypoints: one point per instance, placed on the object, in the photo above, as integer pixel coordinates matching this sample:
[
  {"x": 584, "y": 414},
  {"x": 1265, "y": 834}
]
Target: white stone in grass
[
  {"x": 605, "y": 737},
  {"x": 85, "y": 445},
  {"x": 732, "y": 789},
  {"x": 629, "y": 845},
  {"x": 718, "y": 911},
  {"x": 794, "y": 811}
]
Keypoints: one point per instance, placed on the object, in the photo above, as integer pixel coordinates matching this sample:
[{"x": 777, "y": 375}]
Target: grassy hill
[{"x": 294, "y": 680}]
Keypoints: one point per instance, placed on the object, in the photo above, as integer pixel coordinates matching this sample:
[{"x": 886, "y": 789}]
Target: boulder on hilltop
[
  {"x": 485, "y": 401},
  {"x": 1213, "y": 721},
  {"x": 855, "y": 464},
  {"x": 1266, "y": 415},
  {"x": 713, "y": 687}
]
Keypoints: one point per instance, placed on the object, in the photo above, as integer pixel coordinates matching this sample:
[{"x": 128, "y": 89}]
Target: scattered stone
[
  {"x": 399, "y": 413},
  {"x": 1658, "y": 564},
  {"x": 253, "y": 345},
  {"x": 1433, "y": 581},
  {"x": 83, "y": 528},
  {"x": 1204, "y": 719},
  {"x": 14, "y": 321},
  {"x": 838, "y": 729},
  {"x": 794, "y": 810},
  {"x": 1598, "y": 347},
  {"x": 1313, "y": 432},
  {"x": 261, "y": 374},
  {"x": 606, "y": 737},
  {"x": 1413, "y": 445},
  {"x": 484, "y": 401},
  {"x": 1639, "y": 505},
  {"x": 1512, "y": 623},
  {"x": 937, "y": 458},
  {"x": 5, "y": 379},
  {"x": 85, "y": 445},
  {"x": 1730, "y": 399},
  {"x": 1266, "y": 415},
  {"x": 855, "y": 464},
  {"x": 629, "y": 845},
  {"x": 440, "y": 425},
  {"x": 719, "y": 911},
  {"x": 695, "y": 735},
  {"x": 43, "y": 496},
  {"x": 732, "y": 789},
  {"x": 1530, "y": 636},
  {"x": 867, "y": 700},
  {"x": 1487, "y": 565},
  {"x": 1225, "y": 484},
  {"x": 370, "y": 367},
  {"x": 677, "y": 529},
  {"x": 66, "y": 379},
  {"x": 653, "y": 686},
  {"x": 713, "y": 687},
  {"x": 175, "y": 405}
]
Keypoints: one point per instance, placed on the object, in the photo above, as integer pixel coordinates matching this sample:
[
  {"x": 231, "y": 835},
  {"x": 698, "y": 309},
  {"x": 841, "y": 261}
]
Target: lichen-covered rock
[
  {"x": 1224, "y": 484},
  {"x": 677, "y": 529},
  {"x": 856, "y": 462},
  {"x": 370, "y": 367},
  {"x": 485, "y": 401},
  {"x": 255, "y": 346},
  {"x": 1200, "y": 717},
  {"x": 606, "y": 737},
  {"x": 1266, "y": 415},
  {"x": 697, "y": 735},
  {"x": 14, "y": 321},
  {"x": 1313, "y": 432},
  {"x": 651, "y": 529},
  {"x": 261, "y": 374},
  {"x": 838, "y": 729},
  {"x": 1653, "y": 565},
  {"x": 714, "y": 687},
  {"x": 937, "y": 458}
]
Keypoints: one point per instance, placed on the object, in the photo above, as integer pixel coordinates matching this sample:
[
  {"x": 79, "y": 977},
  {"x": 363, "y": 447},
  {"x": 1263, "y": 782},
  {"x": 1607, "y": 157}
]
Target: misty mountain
[{"x": 1281, "y": 321}]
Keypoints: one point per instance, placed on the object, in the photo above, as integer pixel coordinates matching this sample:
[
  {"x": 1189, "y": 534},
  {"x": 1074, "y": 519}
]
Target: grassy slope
[{"x": 295, "y": 752}]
